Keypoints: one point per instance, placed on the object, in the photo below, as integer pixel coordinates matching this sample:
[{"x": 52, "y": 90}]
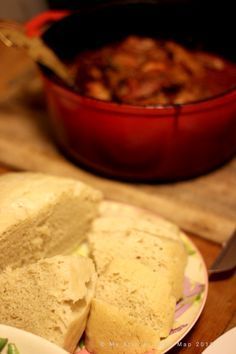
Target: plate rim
[
  {"x": 26, "y": 337},
  {"x": 204, "y": 299}
]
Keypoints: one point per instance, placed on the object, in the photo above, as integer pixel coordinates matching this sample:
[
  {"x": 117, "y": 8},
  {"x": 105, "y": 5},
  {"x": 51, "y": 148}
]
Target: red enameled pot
[{"x": 124, "y": 141}]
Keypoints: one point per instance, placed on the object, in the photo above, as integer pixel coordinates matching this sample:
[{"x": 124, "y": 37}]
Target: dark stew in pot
[{"x": 145, "y": 71}]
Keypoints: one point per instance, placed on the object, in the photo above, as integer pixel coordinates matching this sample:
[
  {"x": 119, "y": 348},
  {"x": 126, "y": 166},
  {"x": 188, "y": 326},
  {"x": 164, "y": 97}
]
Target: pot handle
[{"x": 36, "y": 26}]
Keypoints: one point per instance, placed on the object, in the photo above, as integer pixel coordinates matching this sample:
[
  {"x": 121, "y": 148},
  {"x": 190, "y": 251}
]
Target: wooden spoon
[{"x": 12, "y": 34}]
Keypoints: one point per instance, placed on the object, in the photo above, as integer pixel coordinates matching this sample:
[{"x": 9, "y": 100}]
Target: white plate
[
  {"x": 225, "y": 344},
  {"x": 190, "y": 307},
  {"x": 28, "y": 343}
]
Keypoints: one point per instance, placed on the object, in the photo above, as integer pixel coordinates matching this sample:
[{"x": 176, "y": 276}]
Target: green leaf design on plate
[
  {"x": 189, "y": 249},
  {"x": 12, "y": 349},
  {"x": 81, "y": 344},
  {"x": 3, "y": 343},
  {"x": 198, "y": 298}
]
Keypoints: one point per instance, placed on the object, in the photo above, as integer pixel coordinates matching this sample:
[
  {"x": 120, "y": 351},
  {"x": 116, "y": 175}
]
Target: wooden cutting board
[{"x": 205, "y": 206}]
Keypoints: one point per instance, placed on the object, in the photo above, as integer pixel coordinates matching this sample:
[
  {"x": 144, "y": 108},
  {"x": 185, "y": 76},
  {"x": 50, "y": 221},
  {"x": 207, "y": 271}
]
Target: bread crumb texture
[
  {"x": 144, "y": 222},
  {"x": 50, "y": 298},
  {"x": 142, "y": 294},
  {"x": 42, "y": 216},
  {"x": 163, "y": 255},
  {"x": 111, "y": 330}
]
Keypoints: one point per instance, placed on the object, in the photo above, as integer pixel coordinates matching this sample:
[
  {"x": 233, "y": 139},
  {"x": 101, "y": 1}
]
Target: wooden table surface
[{"x": 219, "y": 314}]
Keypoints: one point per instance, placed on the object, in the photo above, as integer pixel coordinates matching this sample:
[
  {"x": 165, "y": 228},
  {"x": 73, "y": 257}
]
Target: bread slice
[
  {"x": 123, "y": 215},
  {"x": 42, "y": 216},
  {"x": 50, "y": 298},
  {"x": 155, "y": 226},
  {"x": 143, "y": 294},
  {"x": 162, "y": 255},
  {"x": 111, "y": 330}
]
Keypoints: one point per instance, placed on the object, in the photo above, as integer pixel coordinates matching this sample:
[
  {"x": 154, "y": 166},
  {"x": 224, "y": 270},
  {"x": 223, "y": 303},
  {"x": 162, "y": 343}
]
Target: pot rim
[
  {"x": 194, "y": 106},
  {"x": 206, "y": 104}
]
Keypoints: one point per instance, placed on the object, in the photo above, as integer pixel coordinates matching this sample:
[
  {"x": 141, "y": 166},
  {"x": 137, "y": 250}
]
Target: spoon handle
[{"x": 10, "y": 35}]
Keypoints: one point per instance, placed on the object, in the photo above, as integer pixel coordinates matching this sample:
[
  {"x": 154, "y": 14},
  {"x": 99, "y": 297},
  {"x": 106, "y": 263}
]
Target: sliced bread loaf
[
  {"x": 143, "y": 294},
  {"x": 50, "y": 298},
  {"x": 110, "y": 330},
  {"x": 162, "y": 255},
  {"x": 42, "y": 216}
]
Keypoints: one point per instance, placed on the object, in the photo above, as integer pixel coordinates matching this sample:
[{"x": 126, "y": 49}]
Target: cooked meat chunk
[{"x": 146, "y": 71}]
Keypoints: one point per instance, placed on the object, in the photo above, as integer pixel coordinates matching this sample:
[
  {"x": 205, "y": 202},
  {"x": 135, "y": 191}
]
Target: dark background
[{"x": 199, "y": 22}]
